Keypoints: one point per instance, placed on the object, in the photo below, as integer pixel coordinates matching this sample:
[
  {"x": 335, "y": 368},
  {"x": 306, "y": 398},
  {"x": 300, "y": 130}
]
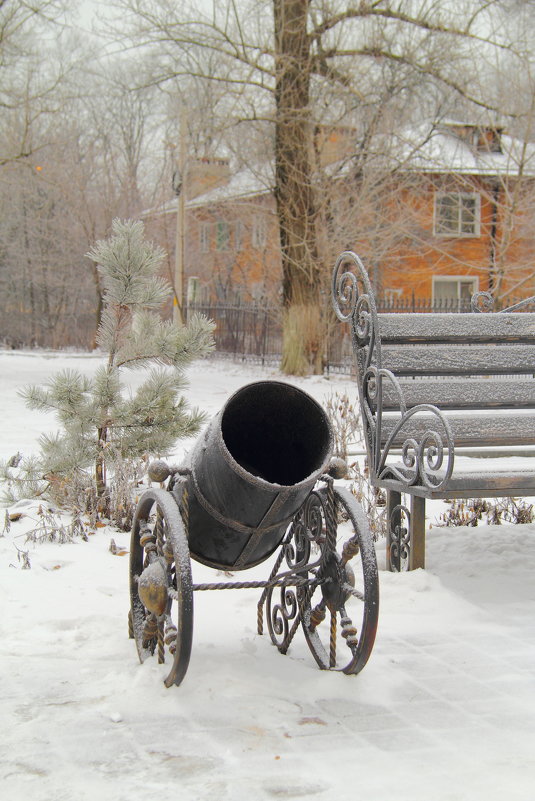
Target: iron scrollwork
[
  {"x": 303, "y": 551},
  {"x": 426, "y": 457},
  {"x": 399, "y": 538}
]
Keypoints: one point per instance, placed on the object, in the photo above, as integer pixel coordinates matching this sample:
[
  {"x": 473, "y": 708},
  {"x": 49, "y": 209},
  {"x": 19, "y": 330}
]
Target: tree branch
[{"x": 368, "y": 10}]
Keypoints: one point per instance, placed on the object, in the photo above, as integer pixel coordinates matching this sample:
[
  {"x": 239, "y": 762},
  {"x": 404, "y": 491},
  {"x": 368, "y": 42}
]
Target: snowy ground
[{"x": 444, "y": 710}]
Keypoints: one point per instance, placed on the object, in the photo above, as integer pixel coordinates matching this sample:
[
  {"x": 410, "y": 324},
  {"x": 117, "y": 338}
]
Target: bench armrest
[{"x": 428, "y": 457}]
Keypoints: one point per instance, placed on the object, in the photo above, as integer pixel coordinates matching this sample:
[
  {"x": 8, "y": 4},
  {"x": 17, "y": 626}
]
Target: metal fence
[
  {"x": 422, "y": 305},
  {"x": 252, "y": 332},
  {"x": 248, "y": 331}
]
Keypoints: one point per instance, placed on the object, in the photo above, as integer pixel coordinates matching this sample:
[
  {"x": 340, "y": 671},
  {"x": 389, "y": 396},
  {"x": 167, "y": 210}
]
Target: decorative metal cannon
[{"x": 260, "y": 478}]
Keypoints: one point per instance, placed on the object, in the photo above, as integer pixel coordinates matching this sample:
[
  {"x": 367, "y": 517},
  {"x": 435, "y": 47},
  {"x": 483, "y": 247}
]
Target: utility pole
[{"x": 179, "y": 187}]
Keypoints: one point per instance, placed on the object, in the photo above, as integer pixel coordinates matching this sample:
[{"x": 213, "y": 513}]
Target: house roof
[
  {"x": 241, "y": 185},
  {"x": 446, "y": 147},
  {"x": 451, "y": 147}
]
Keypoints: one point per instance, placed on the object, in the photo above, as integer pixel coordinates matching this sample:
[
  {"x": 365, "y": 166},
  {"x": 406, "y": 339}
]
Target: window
[
  {"x": 391, "y": 295},
  {"x": 194, "y": 287},
  {"x": 259, "y": 237},
  {"x": 222, "y": 235},
  {"x": 457, "y": 214},
  {"x": 453, "y": 289},
  {"x": 238, "y": 235},
  {"x": 204, "y": 236}
]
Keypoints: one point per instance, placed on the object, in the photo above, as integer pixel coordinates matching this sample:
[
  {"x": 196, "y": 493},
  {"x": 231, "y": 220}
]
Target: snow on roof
[
  {"x": 243, "y": 184},
  {"x": 449, "y": 146},
  {"x": 452, "y": 147}
]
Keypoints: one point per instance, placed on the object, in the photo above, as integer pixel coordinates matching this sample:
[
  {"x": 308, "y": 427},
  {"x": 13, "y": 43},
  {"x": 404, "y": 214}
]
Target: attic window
[
  {"x": 481, "y": 138},
  {"x": 489, "y": 140},
  {"x": 457, "y": 214}
]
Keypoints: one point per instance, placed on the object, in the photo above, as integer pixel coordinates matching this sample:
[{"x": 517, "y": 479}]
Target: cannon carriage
[{"x": 258, "y": 485}]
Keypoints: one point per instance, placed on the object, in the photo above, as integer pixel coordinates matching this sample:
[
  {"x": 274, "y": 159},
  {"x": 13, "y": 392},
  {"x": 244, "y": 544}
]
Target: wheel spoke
[
  {"x": 352, "y": 591},
  {"x": 347, "y": 576},
  {"x": 332, "y": 641},
  {"x": 161, "y": 643},
  {"x": 317, "y": 616}
]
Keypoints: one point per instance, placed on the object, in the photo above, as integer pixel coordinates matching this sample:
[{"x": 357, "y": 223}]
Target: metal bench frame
[{"x": 412, "y": 451}]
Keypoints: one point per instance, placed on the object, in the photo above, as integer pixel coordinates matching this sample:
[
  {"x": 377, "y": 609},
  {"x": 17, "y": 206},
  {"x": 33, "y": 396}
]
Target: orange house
[
  {"x": 231, "y": 238},
  {"x": 465, "y": 214},
  {"x": 439, "y": 212}
]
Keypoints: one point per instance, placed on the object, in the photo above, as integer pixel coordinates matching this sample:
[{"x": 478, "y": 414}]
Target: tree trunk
[
  {"x": 296, "y": 207},
  {"x": 100, "y": 463},
  {"x": 100, "y": 302}
]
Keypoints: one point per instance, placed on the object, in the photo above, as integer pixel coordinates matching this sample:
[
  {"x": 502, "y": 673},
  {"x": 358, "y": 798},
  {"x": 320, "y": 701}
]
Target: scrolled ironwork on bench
[
  {"x": 485, "y": 302},
  {"x": 429, "y": 458}
]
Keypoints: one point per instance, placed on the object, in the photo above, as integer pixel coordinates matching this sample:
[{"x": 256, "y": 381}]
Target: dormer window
[
  {"x": 483, "y": 139},
  {"x": 489, "y": 140}
]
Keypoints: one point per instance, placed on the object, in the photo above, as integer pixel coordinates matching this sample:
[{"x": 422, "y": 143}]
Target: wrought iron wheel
[
  {"x": 161, "y": 594},
  {"x": 339, "y": 608}
]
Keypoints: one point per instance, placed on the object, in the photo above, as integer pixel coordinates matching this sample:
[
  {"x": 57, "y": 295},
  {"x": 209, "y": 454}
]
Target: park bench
[{"x": 433, "y": 383}]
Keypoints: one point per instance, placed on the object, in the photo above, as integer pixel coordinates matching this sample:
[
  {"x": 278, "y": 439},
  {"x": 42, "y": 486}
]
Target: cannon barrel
[{"x": 250, "y": 472}]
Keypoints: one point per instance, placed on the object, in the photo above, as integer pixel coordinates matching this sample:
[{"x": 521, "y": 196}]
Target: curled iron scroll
[
  {"x": 353, "y": 301},
  {"x": 484, "y": 302},
  {"x": 345, "y": 289},
  {"x": 400, "y": 540},
  {"x": 428, "y": 459},
  {"x": 303, "y": 553}
]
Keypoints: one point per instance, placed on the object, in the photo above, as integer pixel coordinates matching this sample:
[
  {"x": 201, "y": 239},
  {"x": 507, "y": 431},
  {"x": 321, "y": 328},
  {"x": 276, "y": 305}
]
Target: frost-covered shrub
[
  {"x": 470, "y": 512},
  {"x": 345, "y": 422}
]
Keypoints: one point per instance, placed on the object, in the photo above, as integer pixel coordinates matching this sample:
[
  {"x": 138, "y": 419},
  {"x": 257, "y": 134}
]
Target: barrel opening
[{"x": 276, "y": 432}]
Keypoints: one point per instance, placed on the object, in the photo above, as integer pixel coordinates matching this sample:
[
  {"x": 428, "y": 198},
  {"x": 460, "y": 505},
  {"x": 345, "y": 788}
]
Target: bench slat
[
  {"x": 444, "y": 359},
  {"x": 457, "y": 327},
  {"x": 497, "y": 428},
  {"x": 468, "y": 393},
  {"x": 465, "y": 486}
]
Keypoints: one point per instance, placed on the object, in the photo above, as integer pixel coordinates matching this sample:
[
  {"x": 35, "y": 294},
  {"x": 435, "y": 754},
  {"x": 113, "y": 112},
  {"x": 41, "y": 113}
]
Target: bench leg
[
  {"x": 393, "y": 557},
  {"x": 417, "y": 533}
]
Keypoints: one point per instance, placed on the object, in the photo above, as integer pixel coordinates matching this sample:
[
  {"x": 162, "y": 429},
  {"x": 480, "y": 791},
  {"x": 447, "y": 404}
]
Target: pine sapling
[{"x": 103, "y": 428}]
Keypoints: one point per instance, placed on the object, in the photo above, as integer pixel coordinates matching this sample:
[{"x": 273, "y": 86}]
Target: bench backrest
[
  {"x": 464, "y": 363},
  {"x": 430, "y": 382}
]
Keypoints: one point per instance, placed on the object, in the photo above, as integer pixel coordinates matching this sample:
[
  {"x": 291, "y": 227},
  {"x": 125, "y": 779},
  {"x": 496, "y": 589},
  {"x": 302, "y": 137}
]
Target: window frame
[
  {"x": 259, "y": 232},
  {"x": 458, "y": 233},
  {"x": 238, "y": 236},
  {"x": 459, "y": 279}
]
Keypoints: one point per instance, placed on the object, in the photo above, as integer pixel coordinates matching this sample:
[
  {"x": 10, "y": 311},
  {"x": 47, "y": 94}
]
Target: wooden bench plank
[
  {"x": 491, "y": 327},
  {"x": 466, "y": 393},
  {"x": 495, "y": 486},
  {"x": 479, "y": 359},
  {"x": 498, "y": 428}
]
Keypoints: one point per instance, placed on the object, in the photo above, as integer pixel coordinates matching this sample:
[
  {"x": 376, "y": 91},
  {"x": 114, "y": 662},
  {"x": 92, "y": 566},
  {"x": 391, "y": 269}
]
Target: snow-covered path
[{"x": 444, "y": 711}]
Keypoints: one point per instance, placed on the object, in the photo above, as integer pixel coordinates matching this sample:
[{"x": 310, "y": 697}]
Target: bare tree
[
  {"x": 298, "y": 63},
  {"x": 73, "y": 142},
  {"x": 45, "y": 296},
  {"x": 30, "y": 70}
]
